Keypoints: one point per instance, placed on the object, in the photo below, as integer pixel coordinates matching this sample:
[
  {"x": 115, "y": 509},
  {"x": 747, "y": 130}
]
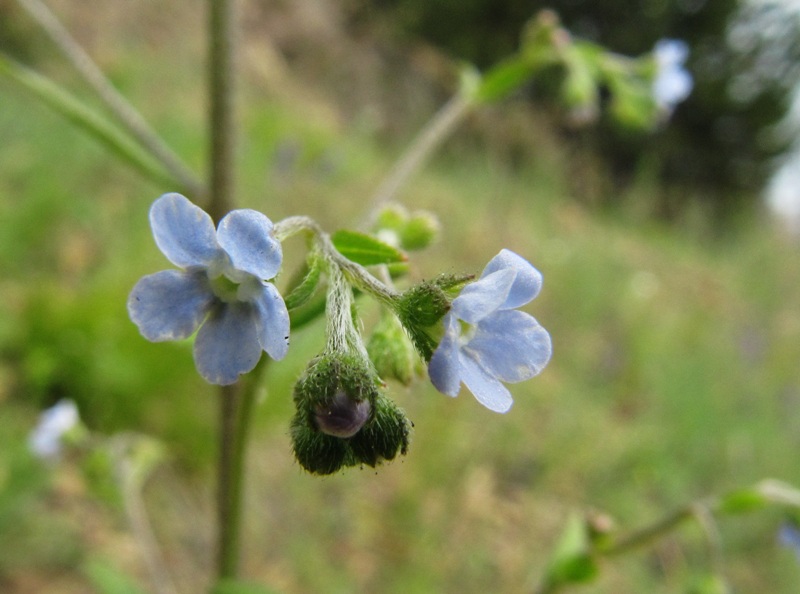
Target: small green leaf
[
  {"x": 365, "y": 249},
  {"x": 503, "y": 79},
  {"x": 237, "y": 587},
  {"x": 742, "y": 501},
  {"x": 572, "y": 562}
]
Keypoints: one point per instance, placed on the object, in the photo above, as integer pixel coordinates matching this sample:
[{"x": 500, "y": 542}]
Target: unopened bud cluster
[{"x": 342, "y": 417}]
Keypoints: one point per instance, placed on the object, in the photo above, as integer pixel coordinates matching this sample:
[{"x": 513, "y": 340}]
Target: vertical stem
[
  {"x": 228, "y": 492},
  {"x": 221, "y": 106},
  {"x": 222, "y": 136}
]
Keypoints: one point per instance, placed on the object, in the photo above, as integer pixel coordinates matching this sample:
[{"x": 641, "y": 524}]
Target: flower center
[
  {"x": 467, "y": 332},
  {"x": 224, "y": 288}
]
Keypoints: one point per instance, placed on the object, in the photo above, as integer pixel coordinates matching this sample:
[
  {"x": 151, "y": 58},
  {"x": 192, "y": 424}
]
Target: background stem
[
  {"x": 125, "y": 113},
  {"x": 221, "y": 106},
  {"x": 436, "y": 131}
]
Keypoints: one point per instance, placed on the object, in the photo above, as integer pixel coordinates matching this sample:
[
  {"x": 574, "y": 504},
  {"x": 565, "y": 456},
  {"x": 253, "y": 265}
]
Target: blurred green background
[{"x": 676, "y": 343}]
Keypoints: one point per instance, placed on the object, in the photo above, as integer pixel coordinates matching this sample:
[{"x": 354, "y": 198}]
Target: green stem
[
  {"x": 355, "y": 273},
  {"x": 125, "y": 113},
  {"x": 435, "y": 132},
  {"x": 648, "y": 534},
  {"x": 79, "y": 114},
  {"x": 234, "y": 402},
  {"x": 221, "y": 106}
]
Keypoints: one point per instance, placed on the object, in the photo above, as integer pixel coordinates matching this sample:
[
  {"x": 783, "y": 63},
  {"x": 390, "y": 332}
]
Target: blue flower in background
[
  {"x": 221, "y": 288},
  {"x": 789, "y": 536},
  {"x": 672, "y": 83},
  {"x": 45, "y": 440},
  {"x": 486, "y": 340}
]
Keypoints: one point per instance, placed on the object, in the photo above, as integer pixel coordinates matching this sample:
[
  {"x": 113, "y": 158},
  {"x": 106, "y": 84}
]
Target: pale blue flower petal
[
  {"x": 510, "y": 345},
  {"x": 170, "y": 305},
  {"x": 45, "y": 440},
  {"x": 444, "y": 365},
  {"x": 479, "y": 299},
  {"x": 527, "y": 283},
  {"x": 672, "y": 83},
  {"x": 247, "y": 237},
  {"x": 183, "y": 232},
  {"x": 227, "y": 344},
  {"x": 486, "y": 388},
  {"x": 273, "y": 322}
]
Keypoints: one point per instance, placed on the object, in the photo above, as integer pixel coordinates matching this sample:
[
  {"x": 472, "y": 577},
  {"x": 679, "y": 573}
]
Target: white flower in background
[
  {"x": 672, "y": 83},
  {"x": 46, "y": 438}
]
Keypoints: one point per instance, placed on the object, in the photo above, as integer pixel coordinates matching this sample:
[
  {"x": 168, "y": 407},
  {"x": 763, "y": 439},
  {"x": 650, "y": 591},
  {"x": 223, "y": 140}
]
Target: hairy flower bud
[
  {"x": 341, "y": 417},
  {"x": 421, "y": 308}
]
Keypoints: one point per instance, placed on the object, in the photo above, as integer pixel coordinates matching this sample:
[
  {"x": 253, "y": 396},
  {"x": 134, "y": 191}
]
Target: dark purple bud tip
[{"x": 342, "y": 416}]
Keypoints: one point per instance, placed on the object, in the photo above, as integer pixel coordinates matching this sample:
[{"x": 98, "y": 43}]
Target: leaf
[
  {"x": 237, "y": 587},
  {"x": 503, "y": 79},
  {"x": 572, "y": 562},
  {"x": 365, "y": 249}
]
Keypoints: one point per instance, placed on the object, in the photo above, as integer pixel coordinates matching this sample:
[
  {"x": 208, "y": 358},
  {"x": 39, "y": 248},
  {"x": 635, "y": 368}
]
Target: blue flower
[
  {"x": 789, "y": 536},
  {"x": 45, "y": 439},
  {"x": 221, "y": 288},
  {"x": 672, "y": 83},
  {"x": 486, "y": 340}
]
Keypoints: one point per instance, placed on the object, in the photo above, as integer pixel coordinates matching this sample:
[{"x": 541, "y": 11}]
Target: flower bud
[
  {"x": 341, "y": 417},
  {"x": 391, "y": 351},
  {"x": 421, "y": 307},
  {"x": 421, "y": 230}
]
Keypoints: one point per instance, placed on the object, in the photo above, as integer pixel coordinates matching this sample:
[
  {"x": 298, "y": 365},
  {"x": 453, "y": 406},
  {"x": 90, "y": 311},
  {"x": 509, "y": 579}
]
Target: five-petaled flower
[
  {"x": 222, "y": 288},
  {"x": 487, "y": 340},
  {"x": 672, "y": 83}
]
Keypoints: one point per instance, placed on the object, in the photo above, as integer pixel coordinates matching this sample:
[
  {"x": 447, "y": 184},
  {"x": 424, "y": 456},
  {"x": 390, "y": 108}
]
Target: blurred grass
[{"x": 674, "y": 373}]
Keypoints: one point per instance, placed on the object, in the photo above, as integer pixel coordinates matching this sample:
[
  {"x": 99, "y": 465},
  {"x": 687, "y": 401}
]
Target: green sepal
[
  {"x": 365, "y": 249},
  {"x": 315, "y": 451},
  {"x": 421, "y": 308},
  {"x": 386, "y": 435}
]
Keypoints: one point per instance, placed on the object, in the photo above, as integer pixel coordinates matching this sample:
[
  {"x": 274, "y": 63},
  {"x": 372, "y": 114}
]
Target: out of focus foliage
[{"x": 744, "y": 59}]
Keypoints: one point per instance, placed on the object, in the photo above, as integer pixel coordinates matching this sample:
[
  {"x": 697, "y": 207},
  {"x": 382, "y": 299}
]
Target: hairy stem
[
  {"x": 221, "y": 106},
  {"x": 355, "y": 273},
  {"x": 222, "y": 138}
]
